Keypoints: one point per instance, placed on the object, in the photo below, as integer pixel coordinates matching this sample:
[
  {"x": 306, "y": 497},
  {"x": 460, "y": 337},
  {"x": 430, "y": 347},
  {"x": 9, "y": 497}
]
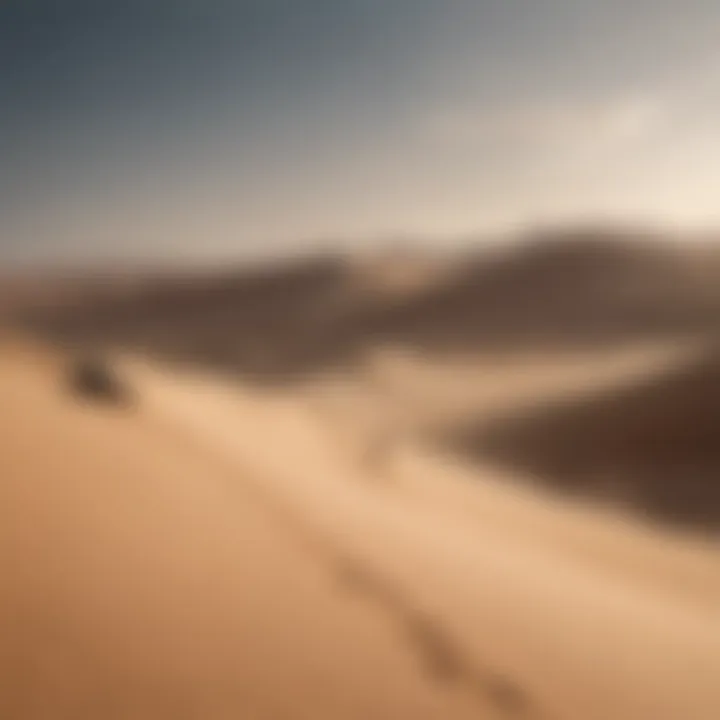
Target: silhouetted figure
[{"x": 92, "y": 378}]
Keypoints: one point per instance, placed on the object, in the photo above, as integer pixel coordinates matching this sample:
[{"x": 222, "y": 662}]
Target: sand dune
[
  {"x": 142, "y": 580},
  {"x": 220, "y": 524},
  {"x": 218, "y": 553},
  {"x": 279, "y": 323}
]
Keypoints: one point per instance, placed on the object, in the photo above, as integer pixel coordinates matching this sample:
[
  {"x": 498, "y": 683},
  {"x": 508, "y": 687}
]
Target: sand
[{"x": 215, "y": 554}]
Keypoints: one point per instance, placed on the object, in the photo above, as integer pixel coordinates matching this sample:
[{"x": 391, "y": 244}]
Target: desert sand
[{"x": 217, "y": 553}]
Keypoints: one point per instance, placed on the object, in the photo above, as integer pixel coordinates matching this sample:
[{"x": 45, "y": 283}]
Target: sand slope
[{"x": 213, "y": 555}]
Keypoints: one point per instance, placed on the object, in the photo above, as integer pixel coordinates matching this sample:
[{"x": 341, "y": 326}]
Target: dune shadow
[{"x": 654, "y": 447}]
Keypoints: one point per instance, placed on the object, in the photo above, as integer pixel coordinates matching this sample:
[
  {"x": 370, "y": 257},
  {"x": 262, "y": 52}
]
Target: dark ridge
[
  {"x": 558, "y": 291},
  {"x": 265, "y": 323},
  {"x": 281, "y": 323}
]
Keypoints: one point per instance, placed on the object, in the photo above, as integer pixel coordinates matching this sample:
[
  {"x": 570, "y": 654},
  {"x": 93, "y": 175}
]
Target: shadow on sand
[{"x": 654, "y": 447}]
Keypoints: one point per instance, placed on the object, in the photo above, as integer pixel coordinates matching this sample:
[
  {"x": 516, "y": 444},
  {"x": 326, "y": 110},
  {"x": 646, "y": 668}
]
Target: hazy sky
[{"x": 221, "y": 127}]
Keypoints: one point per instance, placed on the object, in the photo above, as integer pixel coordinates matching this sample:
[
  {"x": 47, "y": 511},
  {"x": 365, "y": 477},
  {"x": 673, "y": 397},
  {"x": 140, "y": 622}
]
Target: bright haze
[{"x": 211, "y": 129}]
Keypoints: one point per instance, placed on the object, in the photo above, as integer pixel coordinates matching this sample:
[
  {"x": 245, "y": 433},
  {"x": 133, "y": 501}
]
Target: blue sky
[{"x": 213, "y": 128}]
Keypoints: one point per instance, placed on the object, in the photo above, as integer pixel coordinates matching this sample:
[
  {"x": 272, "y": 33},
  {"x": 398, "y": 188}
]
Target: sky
[{"x": 191, "y": 129}]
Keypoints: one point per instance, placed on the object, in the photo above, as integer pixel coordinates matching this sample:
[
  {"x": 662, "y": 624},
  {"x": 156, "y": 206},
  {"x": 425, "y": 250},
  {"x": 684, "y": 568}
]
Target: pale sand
[{"x": 216, "y": 555}]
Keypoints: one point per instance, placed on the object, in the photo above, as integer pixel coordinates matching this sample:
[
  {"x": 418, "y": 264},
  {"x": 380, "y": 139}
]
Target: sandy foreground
[{"x": 216, "y": 554}]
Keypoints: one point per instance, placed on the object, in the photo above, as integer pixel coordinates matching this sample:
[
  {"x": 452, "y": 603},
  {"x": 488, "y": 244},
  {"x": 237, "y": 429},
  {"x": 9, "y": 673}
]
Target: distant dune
[{"x": 286, "y": 320}]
